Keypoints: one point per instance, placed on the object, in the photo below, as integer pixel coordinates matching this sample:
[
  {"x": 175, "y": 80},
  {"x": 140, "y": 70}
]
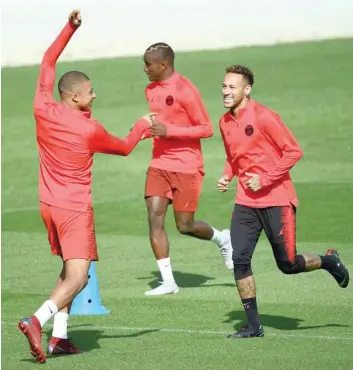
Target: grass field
[{"x": 308, "y": 319}]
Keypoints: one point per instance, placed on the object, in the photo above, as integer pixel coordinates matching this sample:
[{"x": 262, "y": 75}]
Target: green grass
[{"x": 308, "y": 319}]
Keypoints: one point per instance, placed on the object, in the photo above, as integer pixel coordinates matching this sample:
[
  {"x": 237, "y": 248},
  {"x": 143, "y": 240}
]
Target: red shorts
[
  {"x": 71, "y": 234},
  {"x": 183, "y": 189}
]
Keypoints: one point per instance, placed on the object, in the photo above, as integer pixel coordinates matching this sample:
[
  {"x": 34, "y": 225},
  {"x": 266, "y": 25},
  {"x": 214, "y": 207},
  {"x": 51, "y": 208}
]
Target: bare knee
[
  {"x": 157, "y": 208},
  {"x": 82, "y": 281},
  {"x": 156, "y": 226},
  {"x": 78, "y": 281},
  {"x": 184, "y": 222},
  {"x": 184, "y": 228},
  {"x": 76, "y": 272}
]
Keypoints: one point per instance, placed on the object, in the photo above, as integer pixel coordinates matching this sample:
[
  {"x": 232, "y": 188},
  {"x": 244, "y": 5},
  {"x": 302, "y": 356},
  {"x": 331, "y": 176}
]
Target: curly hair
[{"x": 241, "y": 70}]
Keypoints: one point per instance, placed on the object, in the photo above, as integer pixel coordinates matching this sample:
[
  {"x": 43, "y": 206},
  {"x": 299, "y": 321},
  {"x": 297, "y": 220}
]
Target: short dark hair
[
  {"x": 68, "y": 81},
  {"x": 167, "y": 53},
  {"x": 241, "y": 70}
]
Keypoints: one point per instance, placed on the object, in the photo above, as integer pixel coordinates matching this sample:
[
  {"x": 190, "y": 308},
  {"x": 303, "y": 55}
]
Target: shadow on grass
[
  {"x": 88, "y": 339},
  {"x": 276, "y": 322},
  {"x": 185, "y": 280}
]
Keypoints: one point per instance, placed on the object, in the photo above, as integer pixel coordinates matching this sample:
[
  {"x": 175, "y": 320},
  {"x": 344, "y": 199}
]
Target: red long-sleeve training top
[
  {"x": 67, "y": 139},
  {"x": 178, "y": 105},
  {"x": 259, "y": 142}
]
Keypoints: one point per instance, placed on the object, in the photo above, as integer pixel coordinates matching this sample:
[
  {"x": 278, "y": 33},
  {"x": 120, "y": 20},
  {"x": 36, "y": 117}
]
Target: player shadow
[
  {"x": 184, "y": 280},
  {"x": 88, "y": 339},
  {"x": 276, "y": 322}
]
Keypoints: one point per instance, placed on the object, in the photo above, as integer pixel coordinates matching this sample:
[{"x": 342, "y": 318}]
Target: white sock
[
  {"x": 60, "y": 325},
  {"x": 46, "y": 311},
  {"x": 218, "y": 237},
  {"x": 166, "y": 270}
]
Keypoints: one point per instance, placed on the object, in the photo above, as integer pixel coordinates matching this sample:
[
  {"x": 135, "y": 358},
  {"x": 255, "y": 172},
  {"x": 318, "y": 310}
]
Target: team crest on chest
[
  {"x": 169, "y": 100},
  {"x": 249, "y": 130}
]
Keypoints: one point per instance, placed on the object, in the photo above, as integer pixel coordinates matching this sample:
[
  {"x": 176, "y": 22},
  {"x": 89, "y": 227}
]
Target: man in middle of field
[{"x": 175, "y": 173}]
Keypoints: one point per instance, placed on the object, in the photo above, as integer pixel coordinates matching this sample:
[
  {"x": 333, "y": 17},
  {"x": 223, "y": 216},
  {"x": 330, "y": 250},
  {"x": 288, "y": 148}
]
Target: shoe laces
[{"x": 224, "y": 250}]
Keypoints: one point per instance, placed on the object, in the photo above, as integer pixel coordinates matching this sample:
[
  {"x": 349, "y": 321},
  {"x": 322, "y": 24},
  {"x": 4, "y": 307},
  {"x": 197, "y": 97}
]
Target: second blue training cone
[{"x": 88, "y": 301}]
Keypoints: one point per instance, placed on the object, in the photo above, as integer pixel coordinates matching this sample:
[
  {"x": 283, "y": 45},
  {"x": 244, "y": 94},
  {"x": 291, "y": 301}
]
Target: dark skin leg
[
  {"x": 188, "y": 226},
  {"x": 157, "y": 208}
]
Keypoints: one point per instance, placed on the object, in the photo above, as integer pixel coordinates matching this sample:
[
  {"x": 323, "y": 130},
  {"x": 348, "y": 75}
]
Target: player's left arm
[
  {"x": 100, "y": 140},
  {"x": 201, "y": 127},
  {"x": 46, "y": 79},
  {"x": 284, "y": 139}
]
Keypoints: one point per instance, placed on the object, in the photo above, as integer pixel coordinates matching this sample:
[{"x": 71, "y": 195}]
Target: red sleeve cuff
[
  {"x": 72, "y": 26},
  {"x": 171, "y": 131},
  {"x": 141, "y": 122}
]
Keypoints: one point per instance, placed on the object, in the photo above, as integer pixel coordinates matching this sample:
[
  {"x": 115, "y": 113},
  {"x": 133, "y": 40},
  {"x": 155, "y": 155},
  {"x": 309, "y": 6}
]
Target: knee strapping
[
  {"x": 295, "y": 267},
  {"x": 242, "y": 271}
]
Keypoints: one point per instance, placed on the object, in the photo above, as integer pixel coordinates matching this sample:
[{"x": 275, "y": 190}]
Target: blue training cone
[{"x": 88, "y": 301}]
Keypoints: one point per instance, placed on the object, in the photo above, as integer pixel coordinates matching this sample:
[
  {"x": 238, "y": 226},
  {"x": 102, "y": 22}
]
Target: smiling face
[
  {"x": 84, "y": 96},
  {"x": 76, "y": 90},
  {"x": 235, "y": 89}
]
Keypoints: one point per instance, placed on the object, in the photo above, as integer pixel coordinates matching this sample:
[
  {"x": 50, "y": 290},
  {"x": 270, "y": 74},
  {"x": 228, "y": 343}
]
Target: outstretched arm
[
  {"x": 101, "y": 141},
  {"x": 46, "y": 80}
]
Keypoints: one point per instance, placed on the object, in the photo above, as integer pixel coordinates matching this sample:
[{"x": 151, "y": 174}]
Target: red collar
[
  {"x": 79, "y": 112},
  {"x": 249, "y": 106},
  {"x": 170, "y": 80}
]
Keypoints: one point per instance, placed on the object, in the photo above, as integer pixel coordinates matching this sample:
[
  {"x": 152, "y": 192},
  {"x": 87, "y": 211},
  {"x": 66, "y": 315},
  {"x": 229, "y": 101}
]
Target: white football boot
[
  {"x": 164, "y": 288},
  {"x": 226, "y": 250}
]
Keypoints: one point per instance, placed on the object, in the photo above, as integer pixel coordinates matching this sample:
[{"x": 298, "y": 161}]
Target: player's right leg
[
  {"x": 76, "y": 244},
  {"x": 158, "y": 195},
  {"x": 75, "y": 280},
  {"x": 245, "y": 232},
  {"x": 59, "y": 343}
]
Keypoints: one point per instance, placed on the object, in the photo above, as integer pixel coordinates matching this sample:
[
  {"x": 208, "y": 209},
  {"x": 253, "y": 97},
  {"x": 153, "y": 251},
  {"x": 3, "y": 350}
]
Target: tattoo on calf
[
  {"x": 246, "y": 287},
  {"x": 312, "y": 262}
]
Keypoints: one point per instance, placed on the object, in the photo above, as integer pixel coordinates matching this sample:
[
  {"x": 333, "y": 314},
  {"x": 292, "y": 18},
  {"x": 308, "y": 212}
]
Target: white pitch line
[
  {"x": 20, "y": 209},
  {"x": 200, "y": 332},
  {"x": 35, "y": 208}
]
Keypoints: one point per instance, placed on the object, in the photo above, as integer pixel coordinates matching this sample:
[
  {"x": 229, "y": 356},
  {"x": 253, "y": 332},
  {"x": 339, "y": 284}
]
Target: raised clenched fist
[{"x": 75, "y": 18}]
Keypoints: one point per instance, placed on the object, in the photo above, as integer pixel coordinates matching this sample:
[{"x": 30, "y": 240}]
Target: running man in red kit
[
  {"x": 67, "y": 138},
  {"x": 175, "y": 173},
  {"x": 260, "y": 151}
]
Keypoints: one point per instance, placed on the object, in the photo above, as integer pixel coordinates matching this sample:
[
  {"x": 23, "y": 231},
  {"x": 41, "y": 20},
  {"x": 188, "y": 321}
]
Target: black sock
[
  {"x": 328, "y": 263},
  {"x": 250, "y": 307}
]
